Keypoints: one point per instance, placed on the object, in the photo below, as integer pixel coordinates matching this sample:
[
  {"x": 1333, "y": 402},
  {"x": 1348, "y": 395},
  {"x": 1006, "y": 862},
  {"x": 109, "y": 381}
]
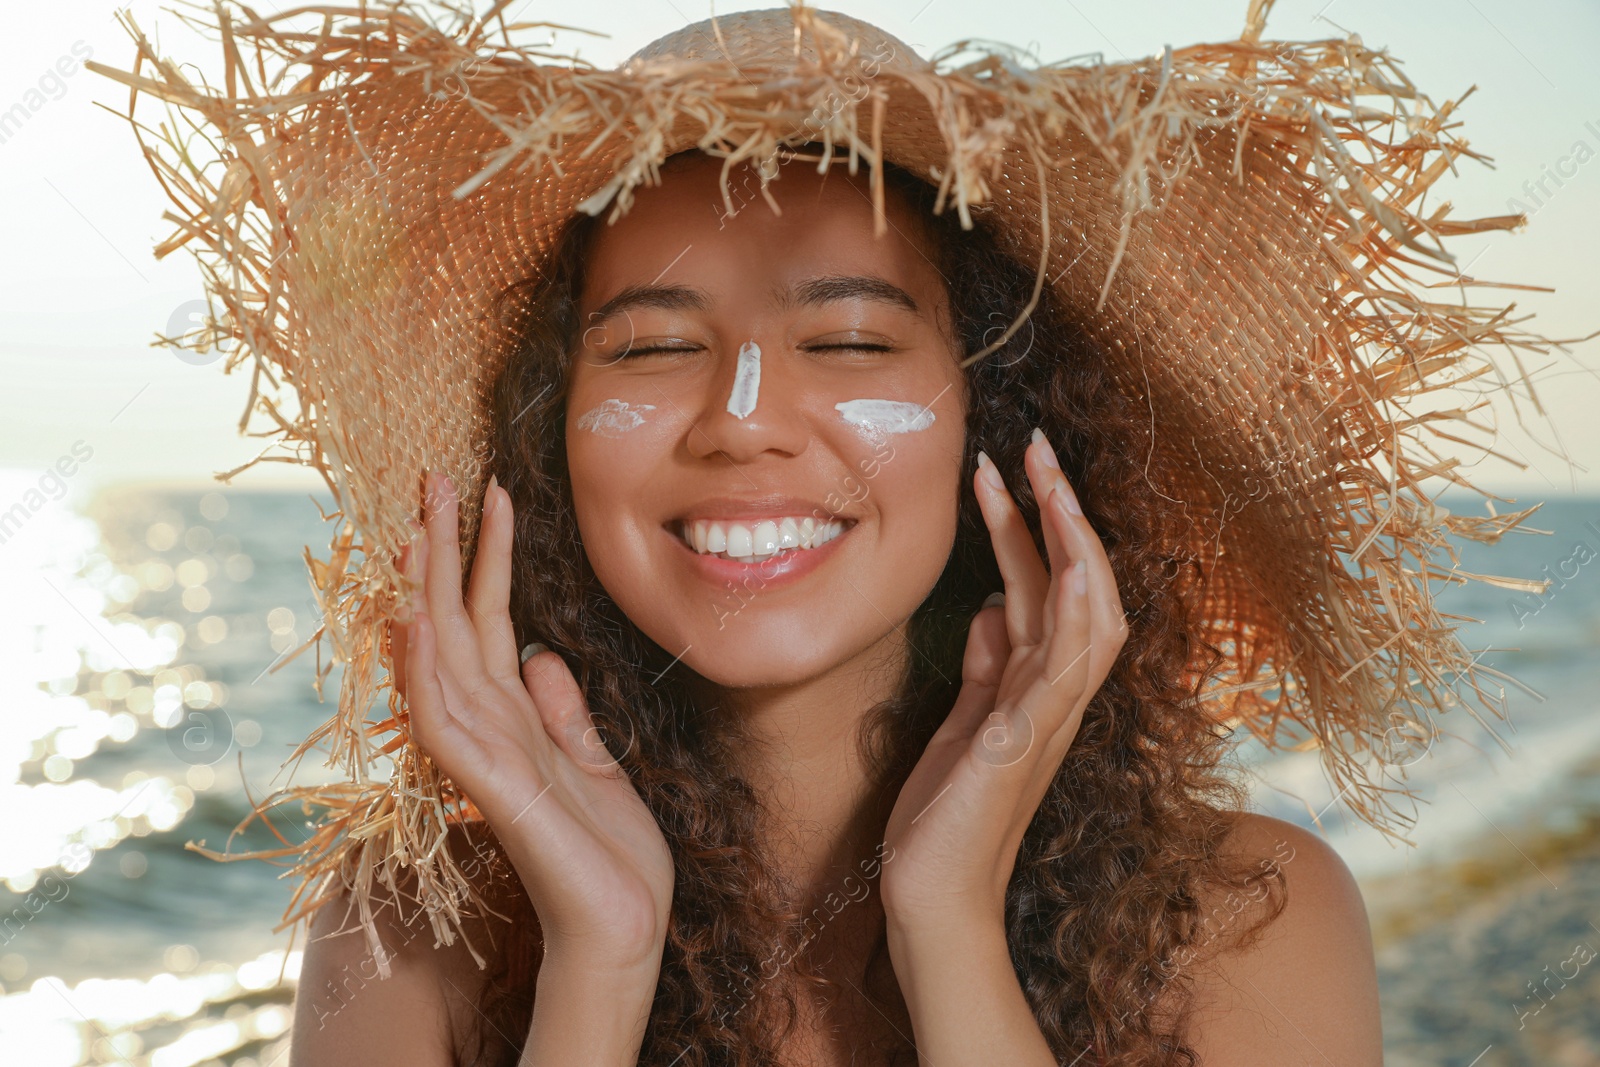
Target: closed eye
[
  {"x": 860, "y": 346},
  {"x": 660, "y": 349},
  {"x": 632, "y": 352}
]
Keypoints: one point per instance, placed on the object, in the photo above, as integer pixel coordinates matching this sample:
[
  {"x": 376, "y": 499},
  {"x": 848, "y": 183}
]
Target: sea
[{"x": 155, "y": 679}]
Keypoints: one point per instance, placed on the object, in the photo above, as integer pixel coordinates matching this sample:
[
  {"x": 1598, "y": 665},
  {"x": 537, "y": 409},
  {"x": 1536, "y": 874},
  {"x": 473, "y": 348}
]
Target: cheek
[
  {"x": 611, "y": 419},
  {"x": 909, "y": 473},
  {"x": 612, "y": 449},
  {"x": 925, "y": 477},
  {"x": 608, "y": 431}
]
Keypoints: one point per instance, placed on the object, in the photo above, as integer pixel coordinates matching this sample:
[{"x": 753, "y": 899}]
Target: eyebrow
[
  {"x": 824, "y": 290},
  {"x": 666, "y": 297},
  {"x": 811, "y": 292}
]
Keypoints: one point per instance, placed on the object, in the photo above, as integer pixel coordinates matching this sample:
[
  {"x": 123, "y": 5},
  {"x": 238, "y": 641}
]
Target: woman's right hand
[{"x": 522, "y": 746}]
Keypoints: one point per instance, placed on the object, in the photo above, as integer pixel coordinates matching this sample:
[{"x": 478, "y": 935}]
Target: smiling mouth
[{"x": 753, "y": 542}]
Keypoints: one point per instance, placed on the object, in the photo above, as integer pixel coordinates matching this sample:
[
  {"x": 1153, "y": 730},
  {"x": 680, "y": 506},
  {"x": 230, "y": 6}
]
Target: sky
[{"x": 82, "y": 296}]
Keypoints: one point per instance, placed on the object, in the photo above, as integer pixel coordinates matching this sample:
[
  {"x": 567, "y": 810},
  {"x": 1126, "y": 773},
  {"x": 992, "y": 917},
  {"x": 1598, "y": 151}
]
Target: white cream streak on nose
[
  {"x": 746, "y": 381},
  {"x": 613, "y": 418},
  {"x": 886, "y": 416}
]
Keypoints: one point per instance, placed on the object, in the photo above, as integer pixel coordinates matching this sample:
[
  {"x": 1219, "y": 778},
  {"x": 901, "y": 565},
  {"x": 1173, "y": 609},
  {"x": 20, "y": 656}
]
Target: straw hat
[{"x": 1241, "y": 225}]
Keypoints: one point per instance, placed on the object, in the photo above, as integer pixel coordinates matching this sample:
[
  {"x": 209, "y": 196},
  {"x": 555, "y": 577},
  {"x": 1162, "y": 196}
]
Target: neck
[{"x": 800, "y": 749}]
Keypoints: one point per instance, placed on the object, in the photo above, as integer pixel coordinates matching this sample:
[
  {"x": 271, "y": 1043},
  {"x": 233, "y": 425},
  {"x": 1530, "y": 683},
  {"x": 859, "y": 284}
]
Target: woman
[
  {"x": 775, "y": 794},
  {"x": 1137, "y": 346}
]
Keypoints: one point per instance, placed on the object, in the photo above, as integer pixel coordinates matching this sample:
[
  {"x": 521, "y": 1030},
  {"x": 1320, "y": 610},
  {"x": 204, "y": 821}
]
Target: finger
[
  {"x": 995, "y": 735},
  {"x": 420, "y": 605},
  {"x": 982, "y": 667},
  {"x": 1067, "y": 661},
  {"x": 399, "y": 626},
  {"x": 1071, "y": 673},
  {"x": 1044, "y": 474},
  {"x": 1024, "y": 572},
  {"x": 489, "y": 593},
  {"x": 399, "y": 639},
  {"x": 405, "y": 561},
  {"x": 988, "y": 647},
  {"x": 1104, "y": 602},
  {"x": 459, "y": 655},
  {"x": 1079, "y": 538},
  {"x": 564, "y": 713},
  {"x": 432, "y": 723},
  {"x": 418, "y": 574}
]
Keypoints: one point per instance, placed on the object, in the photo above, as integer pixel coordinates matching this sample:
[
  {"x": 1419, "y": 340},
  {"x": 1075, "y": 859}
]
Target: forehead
[{"x": 684, "y": 231}]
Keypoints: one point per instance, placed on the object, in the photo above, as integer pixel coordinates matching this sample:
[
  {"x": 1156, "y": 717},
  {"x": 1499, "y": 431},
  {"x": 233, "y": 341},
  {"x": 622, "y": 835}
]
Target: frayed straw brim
[{"x": 1240, "y": 225}]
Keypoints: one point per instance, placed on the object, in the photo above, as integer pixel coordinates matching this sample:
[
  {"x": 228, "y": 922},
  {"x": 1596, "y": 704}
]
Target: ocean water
[
  {"x": 141, "y": 711},
  {"x": 1473, "y": 773},
  {"x": 149, "y": 693}
]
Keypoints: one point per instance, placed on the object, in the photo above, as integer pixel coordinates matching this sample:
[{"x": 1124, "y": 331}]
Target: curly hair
[{"x": 1103, "y": 908}]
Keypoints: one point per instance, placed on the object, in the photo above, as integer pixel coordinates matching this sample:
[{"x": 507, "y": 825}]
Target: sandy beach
[{"x": 1490, "y": 959}]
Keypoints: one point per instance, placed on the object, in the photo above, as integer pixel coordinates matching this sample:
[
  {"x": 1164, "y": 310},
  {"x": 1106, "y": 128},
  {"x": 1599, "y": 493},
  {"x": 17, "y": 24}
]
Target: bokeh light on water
[{"x": 141, "y": 711}]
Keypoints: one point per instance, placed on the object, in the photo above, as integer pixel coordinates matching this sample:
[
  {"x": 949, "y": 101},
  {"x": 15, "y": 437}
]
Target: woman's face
[{"x": 782, "y": 388}]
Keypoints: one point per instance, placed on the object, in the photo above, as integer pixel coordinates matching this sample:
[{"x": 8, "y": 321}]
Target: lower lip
[{"x": 772, "y": 572}]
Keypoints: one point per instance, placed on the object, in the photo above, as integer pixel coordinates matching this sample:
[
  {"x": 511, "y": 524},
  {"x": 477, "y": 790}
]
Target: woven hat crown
[{"x": 768, "y": 37}]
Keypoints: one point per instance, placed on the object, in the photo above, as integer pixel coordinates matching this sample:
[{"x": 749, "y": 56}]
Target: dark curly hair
[{"x": 1105, "y": 898}]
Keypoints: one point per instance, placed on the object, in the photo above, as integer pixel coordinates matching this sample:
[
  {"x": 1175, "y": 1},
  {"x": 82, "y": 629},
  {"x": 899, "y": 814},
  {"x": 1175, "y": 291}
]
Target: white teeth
[
  {"x": 766, "y": 538},
  {"x": 753, "y": 542},
  {"x": 823, "y": 534}
]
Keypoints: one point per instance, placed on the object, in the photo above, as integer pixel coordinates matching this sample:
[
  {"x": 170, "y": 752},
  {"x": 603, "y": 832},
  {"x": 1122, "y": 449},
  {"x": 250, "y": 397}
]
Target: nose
[{"x": 776, "y": 421}]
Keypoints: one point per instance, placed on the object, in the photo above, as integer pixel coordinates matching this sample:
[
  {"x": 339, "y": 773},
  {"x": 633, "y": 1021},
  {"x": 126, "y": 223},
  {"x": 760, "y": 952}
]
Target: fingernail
[
  {"x": 990, "y": 472},
  {"x": 532, "y": 649},
  {"x": 1047, "y": 454},
  {"x": 405, "y": 562},
  {"x": 994, "y": 600}
]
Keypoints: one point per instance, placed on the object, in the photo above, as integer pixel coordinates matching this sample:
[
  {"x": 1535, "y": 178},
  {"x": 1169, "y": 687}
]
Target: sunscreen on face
[
  {"x": 879, "y": 417},
  {"x": 746, "y": 381},
  {"x": 613, "y": 418}
]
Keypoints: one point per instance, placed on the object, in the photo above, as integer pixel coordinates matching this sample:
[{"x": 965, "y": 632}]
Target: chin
[
  {"x": 768, "y": 645},
  {"x": 788, "y": 648},
  {"x": 749, "y": 652}
]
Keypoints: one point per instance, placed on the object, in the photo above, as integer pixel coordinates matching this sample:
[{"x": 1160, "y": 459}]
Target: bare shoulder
[
  {"x": 348, "y": 1013},
  {"x": 1305, "y": 988}
]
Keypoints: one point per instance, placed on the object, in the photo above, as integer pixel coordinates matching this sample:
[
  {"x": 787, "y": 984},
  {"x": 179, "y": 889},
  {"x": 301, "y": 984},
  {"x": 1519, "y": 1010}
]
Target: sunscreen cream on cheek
[
  {"x": 613, "y": 418},
  {"x": 876, "y": 418}
]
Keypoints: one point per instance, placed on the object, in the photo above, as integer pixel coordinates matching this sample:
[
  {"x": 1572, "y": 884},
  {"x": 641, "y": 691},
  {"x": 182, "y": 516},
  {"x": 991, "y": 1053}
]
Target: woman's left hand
[{"x": 1029, "y": 671}]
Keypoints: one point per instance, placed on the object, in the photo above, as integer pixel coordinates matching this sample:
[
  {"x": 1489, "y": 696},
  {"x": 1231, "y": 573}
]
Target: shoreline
[{"x": 1489, "y": 958}]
